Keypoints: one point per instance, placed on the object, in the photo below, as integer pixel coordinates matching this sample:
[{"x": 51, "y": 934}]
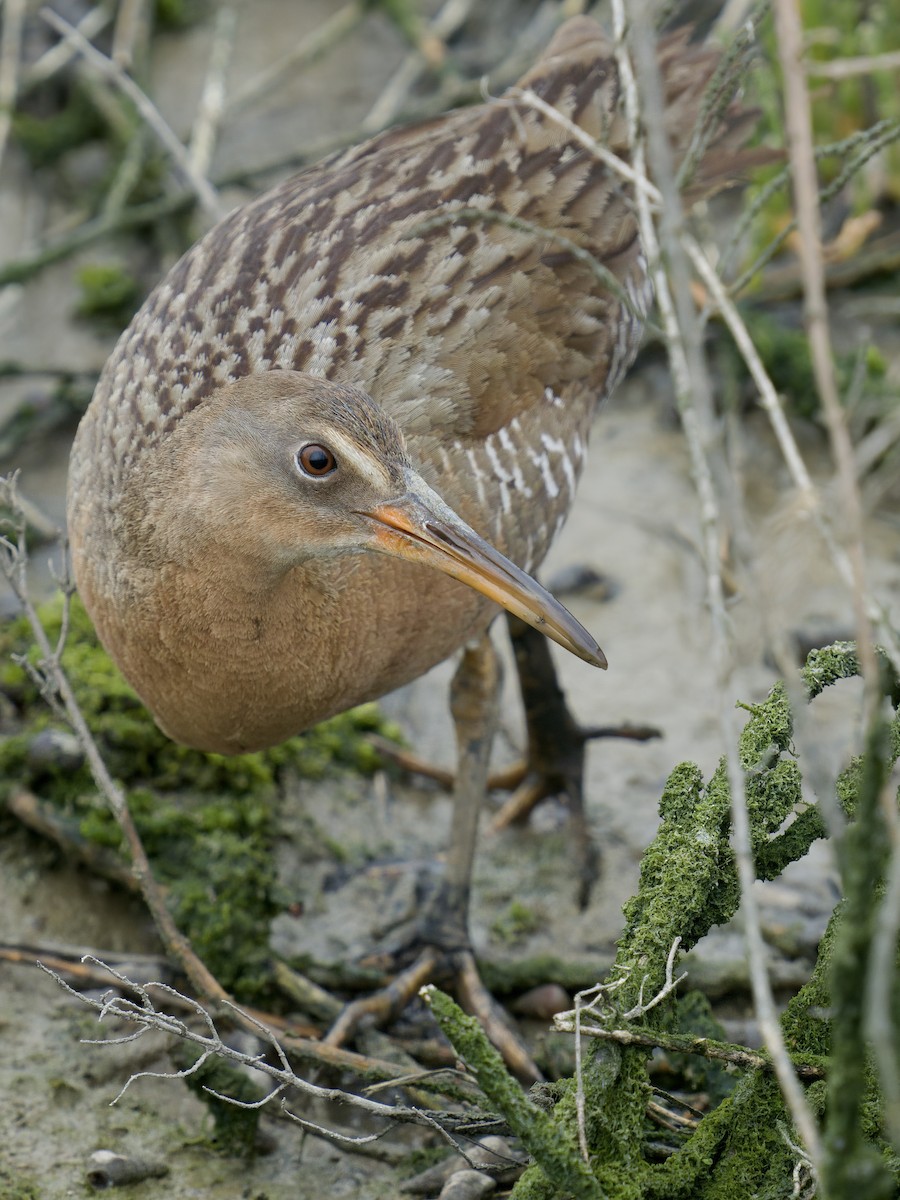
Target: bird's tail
[{"x": 706, "y": 121}]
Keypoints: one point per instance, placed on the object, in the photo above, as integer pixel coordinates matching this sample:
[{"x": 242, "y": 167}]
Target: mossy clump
[
  {"x": 46, "y": 138},
  {"x": 108, "y": 292},
  {"x": 17, "y": 1187},
  {"x": 693, "y": 1072},
  {"x": 516, "y": 922},
  {"x": 208, "y": 822},
  {"x": 235, "y": 1128}
]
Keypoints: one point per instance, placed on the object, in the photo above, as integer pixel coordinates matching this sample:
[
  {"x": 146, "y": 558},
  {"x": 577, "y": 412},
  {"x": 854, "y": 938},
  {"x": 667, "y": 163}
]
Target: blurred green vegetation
[{"x": 841, "y": 109}]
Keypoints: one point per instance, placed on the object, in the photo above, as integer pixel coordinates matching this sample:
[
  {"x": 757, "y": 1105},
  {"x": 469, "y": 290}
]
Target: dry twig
[
  {"x": 146, "y": 1016},
  {"x": 695, "y": 404},
  {"x": 53, "y": 683},
  {"x": 10, "y": 55},
  {"x": 452, "y": 16},
  {"x": 204, "y": 190},
  {"x": 305, "y": 51},
  {"x": 798, "y": 115},
  {"x": 211, "y": 108}
]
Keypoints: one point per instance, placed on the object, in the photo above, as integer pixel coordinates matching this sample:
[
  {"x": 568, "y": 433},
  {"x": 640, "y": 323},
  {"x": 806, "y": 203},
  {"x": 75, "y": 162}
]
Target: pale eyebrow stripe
[{"x": 366, "y": 464}]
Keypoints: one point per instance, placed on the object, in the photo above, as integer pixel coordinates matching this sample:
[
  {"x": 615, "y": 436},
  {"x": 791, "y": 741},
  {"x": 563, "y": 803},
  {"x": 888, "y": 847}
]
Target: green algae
[
  {"x": 516, "y": 922},
  {"x": 208, "y": 823},
  {"x": 17, "y": 1187}
]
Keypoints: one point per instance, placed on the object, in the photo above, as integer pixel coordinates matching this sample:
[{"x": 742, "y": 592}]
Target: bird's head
[{"x": 286, "y": 468}]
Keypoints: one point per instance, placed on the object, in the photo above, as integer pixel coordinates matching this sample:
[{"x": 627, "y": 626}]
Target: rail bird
[{"x": 350, "y": 421}]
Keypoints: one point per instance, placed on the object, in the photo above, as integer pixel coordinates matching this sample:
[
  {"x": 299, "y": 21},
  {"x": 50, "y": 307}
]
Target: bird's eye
[{"x": 316, "y": 460}]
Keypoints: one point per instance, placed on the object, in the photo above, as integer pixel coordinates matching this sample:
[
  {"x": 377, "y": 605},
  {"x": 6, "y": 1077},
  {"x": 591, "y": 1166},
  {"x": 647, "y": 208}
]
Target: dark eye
[{"x": 316, "y": 460}]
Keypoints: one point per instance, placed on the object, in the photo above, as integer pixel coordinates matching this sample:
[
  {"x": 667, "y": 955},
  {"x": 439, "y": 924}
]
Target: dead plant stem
[{"x": 695, "y": 403}]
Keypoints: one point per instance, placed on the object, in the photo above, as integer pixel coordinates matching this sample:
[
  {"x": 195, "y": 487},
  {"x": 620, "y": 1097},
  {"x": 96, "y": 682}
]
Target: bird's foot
[
  {"x": 455, "y": 971},
  {"x": 535, "y": 779}
]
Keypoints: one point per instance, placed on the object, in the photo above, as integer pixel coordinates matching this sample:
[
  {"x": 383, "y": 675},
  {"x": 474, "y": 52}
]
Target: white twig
[
  {"x": 211, "y": 108},
  {"x": 306, "y": 51},
  {"x": 128, "y": 28},
  {"x": 571, "y": 1022},
  {"x": 532, "y": 100},
  {"x": 144, "y": 1013},
  {"x": 798, "y": 118},
  {"x": 10, "y": 55},
  {"x": 93, "y": 22},
  {"x": 848, "y": 68},
  {"x": 201, "y": 186},
  {"x": 695, "y": 403},
  {"x": 449, "y": 19},
  {"x": 669, "y": 986}
]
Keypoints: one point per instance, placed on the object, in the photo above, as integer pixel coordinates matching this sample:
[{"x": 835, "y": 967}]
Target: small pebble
[
  {"x": 108, "y": 1169},
  {"x": 55, "y": 749},
  {"x": 543, "y": 1002},
  {"x": 467, "y": 1185},
  {"x": 579, "y": 579}
]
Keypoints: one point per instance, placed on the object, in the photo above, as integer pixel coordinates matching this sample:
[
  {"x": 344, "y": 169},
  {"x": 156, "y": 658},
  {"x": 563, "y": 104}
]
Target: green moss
[
  {"x": 46, "y": 138},
  {"x": 554, "y": 1147},
  {"x": 694, "y": 1015},
  {"x": 17, "y": 1187},
  {"x": 235, "y": 1128},
  {"x": 108, "y": 291},
  {"x": 516, "y": 922},
  {"x": 688, "y": 883},
  {"x": 208, "y": 822}
]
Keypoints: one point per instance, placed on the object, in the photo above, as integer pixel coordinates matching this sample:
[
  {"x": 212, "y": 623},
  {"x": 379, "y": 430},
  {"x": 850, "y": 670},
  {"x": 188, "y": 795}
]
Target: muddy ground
[{"x": 636, "y": 522}]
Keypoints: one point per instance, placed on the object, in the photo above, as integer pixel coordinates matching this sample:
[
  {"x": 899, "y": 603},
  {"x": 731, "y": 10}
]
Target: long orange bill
[{"x": 421, "y": 528}]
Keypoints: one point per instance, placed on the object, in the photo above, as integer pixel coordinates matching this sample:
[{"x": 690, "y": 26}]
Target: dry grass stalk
[
  {"x": 10, "y": 55},
  {"x": 644, "y": 107}
]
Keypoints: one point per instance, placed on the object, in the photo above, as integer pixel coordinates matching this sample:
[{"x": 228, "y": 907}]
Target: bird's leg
[
  {"x": 474, "y": 706},
  {"x": 442, "y": 930},
  {"x": 554, "y": 762}
]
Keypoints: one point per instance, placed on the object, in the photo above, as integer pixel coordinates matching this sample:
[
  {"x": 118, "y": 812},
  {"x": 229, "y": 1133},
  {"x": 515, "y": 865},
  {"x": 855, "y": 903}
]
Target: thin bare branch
[
  {"x": 452, "y": 16},
  {"x": 849, "y": 68},
  {"x": 130, "y": 26},
  {"x": 798, "y": 117},
  {"x": 211, "y": 108},
  {"x": 10, "y": 56},
  {"x": 305, "y": 51},
  {"x": 94, "y": 21},
  {"x": 147, "y": 1016},
  {"x": 695, "y": 404},
  {"x": 205, "y": 192},
  {"x": 12, "y": 563}
]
